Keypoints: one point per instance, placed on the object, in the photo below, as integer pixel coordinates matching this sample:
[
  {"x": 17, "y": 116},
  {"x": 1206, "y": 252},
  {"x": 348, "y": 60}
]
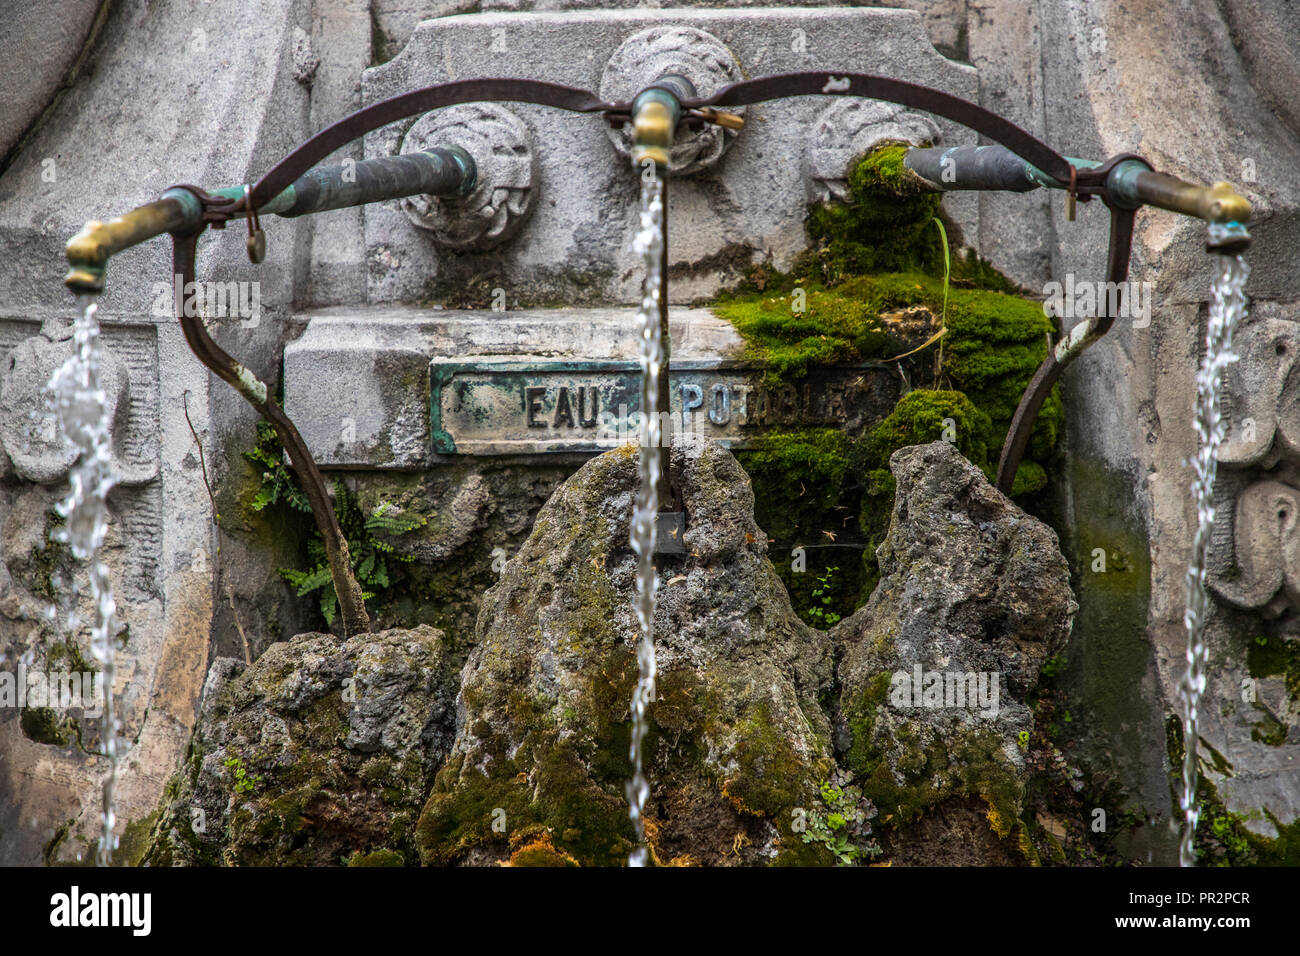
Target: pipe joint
[{"x": 656, "y": 112}]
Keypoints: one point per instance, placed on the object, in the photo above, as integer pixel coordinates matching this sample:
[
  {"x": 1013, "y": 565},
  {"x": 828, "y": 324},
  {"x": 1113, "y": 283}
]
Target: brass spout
[
  {"x": 652, "y": 134},
  {"x": 1135, "y": 183},
  {"x": 656, "y": 111},
  {"x": 89, "y": 250},
  {"x": 1217, "y": 203},
  {"x": 441, "y": 171}
]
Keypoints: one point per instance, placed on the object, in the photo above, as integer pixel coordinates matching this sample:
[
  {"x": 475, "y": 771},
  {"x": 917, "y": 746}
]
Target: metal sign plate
[{"x": 540, "y": 407}]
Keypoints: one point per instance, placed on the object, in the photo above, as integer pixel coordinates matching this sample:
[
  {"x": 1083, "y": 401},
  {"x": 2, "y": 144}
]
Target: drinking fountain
[{"x": 461, "y": 173}]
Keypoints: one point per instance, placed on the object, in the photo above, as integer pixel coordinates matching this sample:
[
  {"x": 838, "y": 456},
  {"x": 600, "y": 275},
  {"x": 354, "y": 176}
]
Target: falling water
[
  {"x": 1227, "y": 307},
  {"x": 649, "y": 245},
  {"x": 80, "y": 403}
]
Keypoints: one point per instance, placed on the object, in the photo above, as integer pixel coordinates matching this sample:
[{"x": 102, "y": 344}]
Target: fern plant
[
  {"x": 365, "y": 533},
  {"x": 370, "y": 554},
  {"x": 279, "y": 485}
]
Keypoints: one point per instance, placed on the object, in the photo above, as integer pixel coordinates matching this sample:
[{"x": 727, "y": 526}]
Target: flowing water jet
[
  {"x": 1227, "y": 308},
  {"x": 649, "y": 245},
  {"x": 81, "y": 406}
]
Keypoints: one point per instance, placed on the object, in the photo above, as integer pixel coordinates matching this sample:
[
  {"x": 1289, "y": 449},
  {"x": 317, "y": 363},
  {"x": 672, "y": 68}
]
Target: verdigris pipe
[
  {"x": 971, "y": 167},
  {"x": 1131, "y": 183},
  {"x": 443, "y": 171}
]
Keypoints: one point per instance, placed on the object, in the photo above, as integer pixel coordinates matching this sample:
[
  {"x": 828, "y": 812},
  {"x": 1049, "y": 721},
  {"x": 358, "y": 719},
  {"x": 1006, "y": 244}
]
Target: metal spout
[
  {"x": 89, "y": 250},
  {"x": 1135, "y": 184},
  {"x": 656, "y": 111},
  {"x": 448, "y": 171},
  {"x": 1131, "y": 183}
]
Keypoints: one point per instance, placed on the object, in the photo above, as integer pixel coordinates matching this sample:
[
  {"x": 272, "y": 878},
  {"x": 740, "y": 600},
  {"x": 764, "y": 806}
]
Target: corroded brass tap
[
  {"x": 89, "y": 250},
  {"x": 656, "y": 111},
  {"x": 653, "y": 123}
]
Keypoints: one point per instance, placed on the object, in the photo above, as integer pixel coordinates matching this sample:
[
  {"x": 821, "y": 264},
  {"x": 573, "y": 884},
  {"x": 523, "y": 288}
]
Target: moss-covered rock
[
  {"x": 885, "y": 226},
  {"x": 321, "y": 753},
  {"x": 935, "y": 670},
  {"x": 920, "y": 417},
  {"x": 738, "y": 738},
  {"x": 878, "y": 285}
]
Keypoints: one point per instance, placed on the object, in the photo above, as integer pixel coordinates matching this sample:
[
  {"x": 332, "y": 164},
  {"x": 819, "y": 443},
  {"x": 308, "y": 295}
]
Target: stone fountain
[{"x": 400, "y": 333}]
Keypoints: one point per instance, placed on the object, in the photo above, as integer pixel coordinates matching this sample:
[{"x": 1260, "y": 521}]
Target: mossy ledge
[{"x": 872, "y": 288}]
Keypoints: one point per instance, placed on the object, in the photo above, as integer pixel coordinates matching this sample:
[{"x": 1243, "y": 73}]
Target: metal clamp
[{"x": 256, "y": 242}]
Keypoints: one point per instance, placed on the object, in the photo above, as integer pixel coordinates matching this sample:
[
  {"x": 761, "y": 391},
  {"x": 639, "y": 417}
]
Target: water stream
[
  {"x": 81, "y": 406},
  {"x": 1227, "y": 307},
  {"x": 649, "y": 245}
]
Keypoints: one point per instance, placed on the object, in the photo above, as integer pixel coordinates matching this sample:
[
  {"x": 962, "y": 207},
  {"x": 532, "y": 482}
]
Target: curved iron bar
[
  {"x": 1084, "y": 183},
  {"x": 1119, "y": 250},
  {"x": 352, "y": 603},
  {"x": 372, "y": 117},
  {"x": 578, "y": 100},
  {"x": 870, "y": 86},
  {"x": 217, "y": 210},
  {"x": 1049, "y": 372}
]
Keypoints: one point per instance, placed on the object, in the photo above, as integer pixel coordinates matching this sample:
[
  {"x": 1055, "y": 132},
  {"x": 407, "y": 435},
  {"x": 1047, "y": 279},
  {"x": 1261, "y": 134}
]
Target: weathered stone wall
[{"x": 139, "y": 116}]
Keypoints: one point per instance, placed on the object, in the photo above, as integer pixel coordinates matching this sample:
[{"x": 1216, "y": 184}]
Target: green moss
[
  {"x": 52, "y": 559},
  {"x": 49, "y": 853},
  {"x": 924, "y": 416},
  {"x": 919, "y": 417},
  {"x": 1272, "y": 656},
  {"x": 993, "y": 345},
  {"x": 170, "y": 828},
  {"x": 805, "y": 497},
  {"x": 44, "y": 726},
  {"x": 67, "y": 655},
  {"x": 134, "y": 842},
  {"x": 769, "y": 773},
  {"x": 562, "y": 778},
  {"x": 1110, "y": 652},
  {"x": 967, "y": 763},
  {"x": 1223, "y": 838},
  {"x": 877, "y": 256},
  {"x": 541, "y": 853},
  {"x": 1269, "y": 730},
  {"x": 565, "y": 778},
  {"x": 885, "y": 224},
  {"x": 833, "y": 329},
  {"x": 765, "y": 777},
  {"x": 377, "y": 858},
  {"x": 860, "y": 713},
  {"x": 809, "y": 484},
  {"x": 906, "y": 777}
]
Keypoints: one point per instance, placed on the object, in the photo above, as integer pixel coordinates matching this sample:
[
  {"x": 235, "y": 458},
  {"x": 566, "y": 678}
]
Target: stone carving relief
[
  {"x": 35, "y": 448},
  {"x": 506, "y": 166},
  {"x": 35, "y": 458},
  {"x": 1255, "y": 561},
  {"x": 848, "y": 128},
  {"x": 683, "y": 51}
]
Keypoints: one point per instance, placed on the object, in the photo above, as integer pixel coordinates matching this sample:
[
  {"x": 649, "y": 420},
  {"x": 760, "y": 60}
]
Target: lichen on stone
[
  {"x": 320, "y": 753},
  {"x": 738, "y": 738}
]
